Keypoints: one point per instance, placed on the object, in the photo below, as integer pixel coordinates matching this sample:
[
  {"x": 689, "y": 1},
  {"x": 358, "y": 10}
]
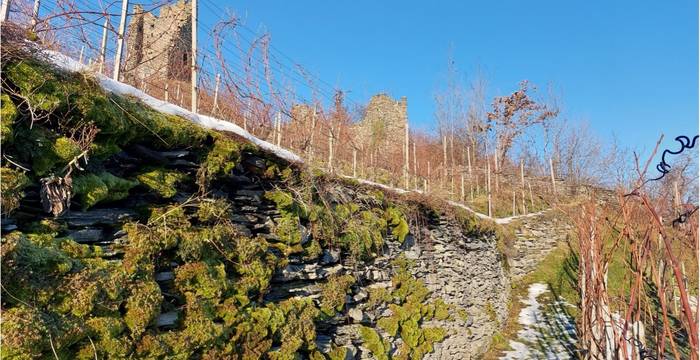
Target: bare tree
[{"x": 514, "y": 114}]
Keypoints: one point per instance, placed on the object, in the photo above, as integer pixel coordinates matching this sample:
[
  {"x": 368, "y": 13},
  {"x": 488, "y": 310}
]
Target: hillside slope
[{"x": 129, "y": 232}]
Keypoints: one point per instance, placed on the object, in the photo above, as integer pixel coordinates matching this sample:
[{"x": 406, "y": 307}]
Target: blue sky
[{"x": 627, "y": 67}]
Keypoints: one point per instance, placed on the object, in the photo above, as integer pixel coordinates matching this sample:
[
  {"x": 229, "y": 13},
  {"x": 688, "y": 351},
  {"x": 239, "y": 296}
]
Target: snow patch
[
  {"x": 66, "y": 63},
  {"x": 547, "y": 333}
]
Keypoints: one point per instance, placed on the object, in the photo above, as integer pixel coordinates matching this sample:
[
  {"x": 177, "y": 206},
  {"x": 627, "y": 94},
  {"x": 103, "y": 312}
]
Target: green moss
[
  {"x": 142, "y": 306},
  {"x": 374, "y": 342},
  {"x": 102, "y": 187},
  {"x": 25, "y": 333},
  {"x": 409, "y": 310},
  {"x": 287, "y": 229},
  {"x": 12, "y": 184},
  {"x": 211, "y": 210},
  {"x": 66, "y": 149},
  {"x": 77, "y": 100},
  {"x": 8, "y": 115},
  {"x": 287, "y": 205},
  {"x": 46, "y": 151},
  {"x": 362, "y": 231},
  {"x": 102, "y": 151},
  {"x": 108, "y": 337},
  {"x": 38, "y": 84},
  {"x": 31, "y": 272},
  {"x": 297, "y": 332},
  {"x": 220, "y": 160},
  {"x": 333, "y": 293},
  {"x": 254, "y": 264},
  {"x": 162, "y": 233},
  {"x": 397, "y": 223},
  {"x": 202, "y": 279},
  {"x": 162, "y": 181},
  {"x": 338, "y": 353}
]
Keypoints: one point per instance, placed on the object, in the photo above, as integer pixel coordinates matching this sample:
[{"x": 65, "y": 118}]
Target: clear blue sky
[{"x": 627, "y": 67}]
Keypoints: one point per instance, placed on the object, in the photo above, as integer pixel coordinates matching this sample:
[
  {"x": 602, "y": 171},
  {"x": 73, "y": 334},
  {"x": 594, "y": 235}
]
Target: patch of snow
[
  {"x": 450, "y": 202},
  {"x": 66, "y": 63},
  {"x": 507, "y": 220},
  {"x": 547, "y": 332}
]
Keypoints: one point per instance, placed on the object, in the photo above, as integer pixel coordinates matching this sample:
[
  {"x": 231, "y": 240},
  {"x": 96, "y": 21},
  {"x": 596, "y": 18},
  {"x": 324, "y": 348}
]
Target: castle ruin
[
  {"x": 160, "y": 46},
  {"x": 384, "y": 125}
]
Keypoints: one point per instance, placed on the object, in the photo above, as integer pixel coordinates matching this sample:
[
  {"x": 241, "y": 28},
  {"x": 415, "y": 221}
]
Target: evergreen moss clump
[
  {"x": 77, "y": 100},
  {"x": 334, "y": 292},
  {"x": 12, "y": 182},
  {"x": 363, "y": 231},
  {"x": 375, "y": 343},
  {"x": 142, "y": 306},
  {"x": 397, "y": 222},
  {"x": 220, "y": 160},
  {"x": 42, "y": 87},
  {"x": 25, "y": 332},
  {"x": 8, "y": 115},
  {"x": 101, "y": 187},
  {"x": 47, "y": 151},
  {"x": 410, "y": 308},
  {"x": 161, "y": 181}
]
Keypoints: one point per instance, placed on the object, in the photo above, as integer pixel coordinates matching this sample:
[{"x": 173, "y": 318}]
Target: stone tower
[
  {"x": 384, "y": 124},
  {"x": 160, "y": 46}
]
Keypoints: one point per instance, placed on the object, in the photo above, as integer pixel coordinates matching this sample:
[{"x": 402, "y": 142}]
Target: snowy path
[{"x": 547, "y": 332}]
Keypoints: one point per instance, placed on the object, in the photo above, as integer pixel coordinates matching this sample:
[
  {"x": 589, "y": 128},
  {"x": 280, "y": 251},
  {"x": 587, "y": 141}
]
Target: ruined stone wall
[
  {"x": 160, "y": 46},
  {"x": 383, "y": 127}
]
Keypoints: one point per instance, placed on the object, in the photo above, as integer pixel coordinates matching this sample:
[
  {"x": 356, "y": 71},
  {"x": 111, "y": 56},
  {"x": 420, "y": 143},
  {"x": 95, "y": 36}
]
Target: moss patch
[
  {"x": 8, "y": 115},
  {"x": 102, "y": 187},
  {"x": 162, "y": 181},
  {"x": 12, "y": 182},
  {"x": 410, "y": 308}
]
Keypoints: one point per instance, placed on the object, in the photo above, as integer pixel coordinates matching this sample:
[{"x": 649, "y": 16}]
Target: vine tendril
[{"x": 663, "y": 167}]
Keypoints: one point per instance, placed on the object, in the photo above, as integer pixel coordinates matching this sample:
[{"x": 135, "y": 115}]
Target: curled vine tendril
[{"x": 663, "y": 167}]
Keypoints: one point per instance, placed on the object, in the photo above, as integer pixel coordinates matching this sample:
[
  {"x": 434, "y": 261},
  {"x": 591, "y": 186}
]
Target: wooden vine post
[
  {"x": 194, "y": 86},
  {"x": 488, "y": 186},
  {"x": 551, "y": 173},
  {"x": 120, "y": 41},
  {"x": 522, "y": 186}
]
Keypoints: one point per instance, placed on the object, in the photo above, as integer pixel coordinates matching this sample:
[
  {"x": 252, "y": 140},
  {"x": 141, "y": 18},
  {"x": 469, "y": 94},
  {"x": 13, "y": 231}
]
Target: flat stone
[
  {"x": 357, "y": 315},
  {"x": 330, "y": 257},
  {"x": 86, "y": 235},
  {"x": 360, "y": 296},
  {"x": 96, "y": 217},
  {"x": 167, "y": 319},
  {"x": 297, "y": 272},
  {"x": 165, "y": 276},
  {"x": 323, "y": 342}
]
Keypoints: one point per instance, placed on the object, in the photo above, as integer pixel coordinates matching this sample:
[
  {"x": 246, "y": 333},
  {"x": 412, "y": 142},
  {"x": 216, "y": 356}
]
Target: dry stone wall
[
  {"x": 535, "y": 237},
  {"x": 463, "y": 270}
]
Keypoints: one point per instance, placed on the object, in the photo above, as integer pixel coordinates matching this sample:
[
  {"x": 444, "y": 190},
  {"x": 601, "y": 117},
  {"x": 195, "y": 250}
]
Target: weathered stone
[
  {"x": 164, "y": 276},
  {"x": 167, "y": 319},
  {"x": 86, "y": 235},
  {"x": 330, "y": 256},
  {"x": 96, "y": 217},
  {"x": 357, "y": 315}
]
